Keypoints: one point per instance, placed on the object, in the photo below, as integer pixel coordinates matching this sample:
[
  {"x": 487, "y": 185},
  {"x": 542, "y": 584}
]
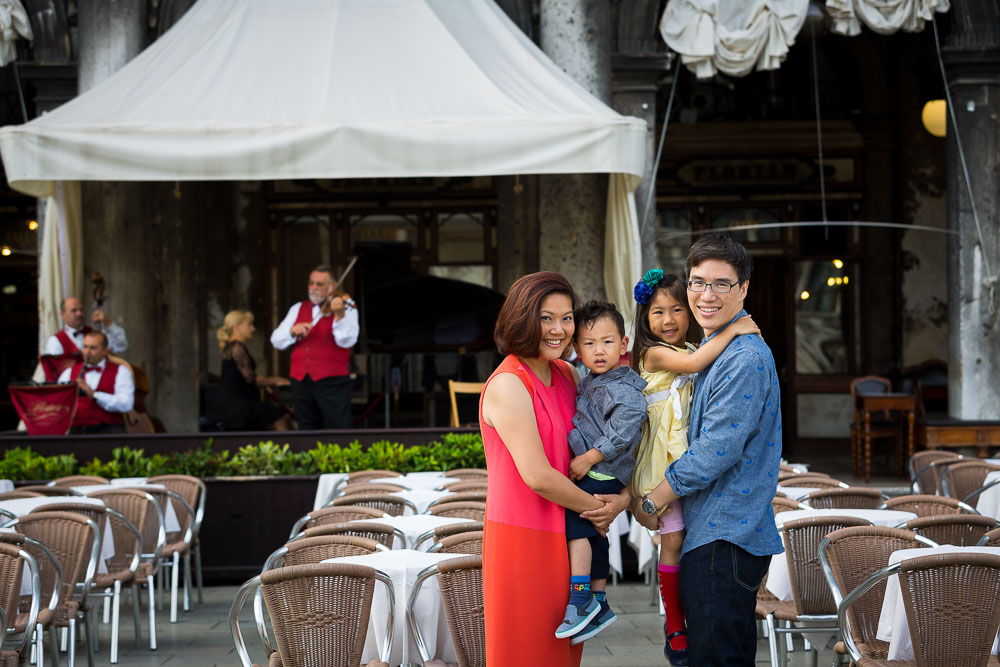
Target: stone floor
[{"x": 202, "y": 638}]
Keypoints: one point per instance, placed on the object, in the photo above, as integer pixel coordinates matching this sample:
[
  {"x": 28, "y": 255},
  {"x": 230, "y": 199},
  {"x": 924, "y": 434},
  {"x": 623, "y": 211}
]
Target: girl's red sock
[{"x": 669, "y": 576}]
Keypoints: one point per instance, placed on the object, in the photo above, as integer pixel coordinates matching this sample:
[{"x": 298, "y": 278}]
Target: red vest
[
  {"x": 88, "y": 412},
  {"x": 318, "y": 355},
  {"x": 55, "y": 364}
]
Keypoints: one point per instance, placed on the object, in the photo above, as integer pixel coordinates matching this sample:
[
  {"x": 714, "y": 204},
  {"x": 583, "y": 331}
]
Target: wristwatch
[{"x": 648, "y": 506}]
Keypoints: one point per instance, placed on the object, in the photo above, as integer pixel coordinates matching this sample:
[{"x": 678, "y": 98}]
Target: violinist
[{"x": 321, "y": 333}]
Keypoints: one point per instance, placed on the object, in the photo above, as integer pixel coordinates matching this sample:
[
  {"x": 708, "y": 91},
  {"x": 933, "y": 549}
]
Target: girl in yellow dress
[{"x": 669, "y": 364}]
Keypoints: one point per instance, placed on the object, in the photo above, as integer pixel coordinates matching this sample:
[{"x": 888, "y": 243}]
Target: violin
[{"x": 326, "y": 307}]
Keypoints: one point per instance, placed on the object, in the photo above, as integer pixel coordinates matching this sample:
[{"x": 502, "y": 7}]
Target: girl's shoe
[{"x": 676, "y": 657}]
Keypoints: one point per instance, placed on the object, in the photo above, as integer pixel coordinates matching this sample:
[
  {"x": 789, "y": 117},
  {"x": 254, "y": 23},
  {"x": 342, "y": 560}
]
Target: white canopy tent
[{"x": 268, "y": 90}]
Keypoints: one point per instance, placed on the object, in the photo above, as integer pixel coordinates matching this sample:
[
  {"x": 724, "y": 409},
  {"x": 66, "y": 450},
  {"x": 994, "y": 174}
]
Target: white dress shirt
[
  {"x": 345, "y": 330},
  {"x": 120, "y": 401},
  {"x": 117, "y": 342}
]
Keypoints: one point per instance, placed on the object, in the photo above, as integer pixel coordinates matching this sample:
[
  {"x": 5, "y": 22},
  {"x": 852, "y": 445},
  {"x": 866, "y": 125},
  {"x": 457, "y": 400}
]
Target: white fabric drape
[
  {"x": 882, "y": 16},
  {"x": 622, "y": 249},
  {"x": 60, "y": 265},
  {"x": 14, "y": 23},
  {"x": 732, "y": 36}
]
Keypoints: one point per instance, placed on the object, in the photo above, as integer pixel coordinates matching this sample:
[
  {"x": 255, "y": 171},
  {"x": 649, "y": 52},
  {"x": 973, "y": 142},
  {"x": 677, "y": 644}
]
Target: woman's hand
[{"x": 614, "y": 504}]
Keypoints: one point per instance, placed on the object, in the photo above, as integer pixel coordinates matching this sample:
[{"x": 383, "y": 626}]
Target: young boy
[{"x": 610, "y": 410}]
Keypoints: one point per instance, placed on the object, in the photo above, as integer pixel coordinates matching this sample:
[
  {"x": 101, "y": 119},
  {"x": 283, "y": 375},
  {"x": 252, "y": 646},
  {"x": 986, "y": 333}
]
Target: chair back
[
  {"x": 468, "y": 485},
  {"x": 455, "y": 388},
  {"x": 923, "y": 477},
  {"x": 810, "y": 590},
  {"x": 467, "y": 510},
  {"x": 391, "y": 505},
  {"x": 317, "y": 549},
  {"x": 461, "y": 497},
  {"x": 855, "y": 497},
  {"x": 368, "y": 475},
  {"x": 11, "y": 569},
  {"x": 319, "y": 613},
  {"x": 990, "y": 539},
  {"x": 467, "y": 474},
  {"x": 783, "y": 505},
  {"x": 191, "y": 489},
  {"x": 79, "y": 480},
  {"x": 441, "y": 532},
  {"x": 376, "y": 532},
  {"x": 952, "y": 604},
  {"x": 470, "y": 543},
  {"x": 461, "y": 583},
  {"x": 854, "y": 554},
  {"x": 870, "y": 384},
  {"x": 370, "y": 488},
  {"x": 71, "y": 538},
  {"x": 330, "y": 515},
  {"x": 97, "y": 513},
  {"x": 43, "y": 490},
  {"x": 961, "y": 479},
  {"x": 16, "y": 495},
  {"x": 811, "y": 480},
  {"x": 144, "y": 513},
  {"x": 961, "y": 530},
  {"x": 924, "y": 505}
]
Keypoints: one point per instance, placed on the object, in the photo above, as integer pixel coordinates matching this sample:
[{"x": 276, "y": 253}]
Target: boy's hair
[
  {"x": 590, "y": 312},
  {"x": 722, "y": 247},
  {"x": 644, "y": 337}
]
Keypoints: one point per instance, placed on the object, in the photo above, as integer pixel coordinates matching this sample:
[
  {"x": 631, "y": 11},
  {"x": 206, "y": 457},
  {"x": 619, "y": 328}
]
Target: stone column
[
  {"x": 576, "y": 34},
  {"x": 111, "y": 33},
  {"x": 973, "y": 300}
]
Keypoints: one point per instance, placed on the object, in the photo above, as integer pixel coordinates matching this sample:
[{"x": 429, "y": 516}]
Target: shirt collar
[
  {"x": 73, "y": 332},
  {"x": 98, "y": 366},
  {"x": 738, "y": 315}
]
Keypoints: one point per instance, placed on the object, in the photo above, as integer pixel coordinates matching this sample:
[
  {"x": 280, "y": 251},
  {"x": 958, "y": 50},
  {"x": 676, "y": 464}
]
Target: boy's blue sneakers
[
  {"x": 601, "y": 621},
  {"x": 577, "y": 618}
]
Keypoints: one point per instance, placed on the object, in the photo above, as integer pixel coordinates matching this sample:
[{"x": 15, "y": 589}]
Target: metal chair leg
[
  {"x": 772, "y": 639},
  {"x": 71, "y": 649},
  {"x": 187, "y": 581},
  {"x": 115, "y": 605},
  {"x": 151, "y": 585},
  {"x": 197, "y": 572},
  {"x": 174, "y": 571},
  {"x": 40, "y": 646},
  {"x": 136, "y": 600},
  {"x": 90, "y": 643}
]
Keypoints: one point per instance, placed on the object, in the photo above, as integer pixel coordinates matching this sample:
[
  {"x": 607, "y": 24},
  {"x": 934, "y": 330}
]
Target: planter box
[{"x": 246, "y": 518}]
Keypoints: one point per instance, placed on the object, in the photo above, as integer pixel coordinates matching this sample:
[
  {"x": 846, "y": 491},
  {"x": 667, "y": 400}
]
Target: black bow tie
[{"x": 89, "y": 368}]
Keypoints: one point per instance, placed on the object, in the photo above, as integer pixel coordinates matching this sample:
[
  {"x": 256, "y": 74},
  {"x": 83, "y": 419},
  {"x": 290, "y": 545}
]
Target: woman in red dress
[{"x": 526, "y": 412}]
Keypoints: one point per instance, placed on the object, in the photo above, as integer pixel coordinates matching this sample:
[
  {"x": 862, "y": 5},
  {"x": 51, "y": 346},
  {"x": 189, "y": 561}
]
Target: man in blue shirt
[{"x": 729, "y": 474}]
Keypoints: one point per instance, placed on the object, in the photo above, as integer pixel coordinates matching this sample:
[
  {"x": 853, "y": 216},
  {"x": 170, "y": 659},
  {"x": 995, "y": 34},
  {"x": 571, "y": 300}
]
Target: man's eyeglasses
[{"x": 718, "y": 288}]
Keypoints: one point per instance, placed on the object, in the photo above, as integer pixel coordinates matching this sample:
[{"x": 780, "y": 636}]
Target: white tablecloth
[
  {"x": 127, "y": 481},
  {"x": 170, "y": 522},
  {"x": 6, "y": 485},
  {"x": 415, "y": 525},
  {"x": 892, "y": 626},
  {"x": 324, "y": 488},
  {"x": 422, "y": 498},
  {"x": 796, "y": 492},
  {"x": 418, "y": 480},
  {"x": 618, "y": 528},
  {"x": 988, "y": 503},
  {"x": 403, "y": 567},
  {"x": 641, "y": 540},
  {"x": 22, "y": 506}
]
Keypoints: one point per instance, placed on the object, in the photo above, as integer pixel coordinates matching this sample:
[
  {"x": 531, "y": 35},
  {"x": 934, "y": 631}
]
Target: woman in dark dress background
[{"x": 236, "y": 402}]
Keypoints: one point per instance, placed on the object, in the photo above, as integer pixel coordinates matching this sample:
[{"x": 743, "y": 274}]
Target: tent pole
[
  {"x": 659, "y": 149},
  {"x": 819, "y": 126}
]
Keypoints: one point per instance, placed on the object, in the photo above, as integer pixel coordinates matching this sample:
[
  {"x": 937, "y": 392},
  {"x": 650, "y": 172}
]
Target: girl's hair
[
  {"x": 643, "y": 337},
  {"x": 231, "y": 320},
  {"x": 519, "y": 330}
]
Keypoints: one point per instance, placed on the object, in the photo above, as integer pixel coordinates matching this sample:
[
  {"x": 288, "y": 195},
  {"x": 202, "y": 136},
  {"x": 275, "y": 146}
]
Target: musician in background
[
  {"x": 321, "y": 332},
  {"x": 107, "y": 389},
  {"x": 63, "y": 348}
]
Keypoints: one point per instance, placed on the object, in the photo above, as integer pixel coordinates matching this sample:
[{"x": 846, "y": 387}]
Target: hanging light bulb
[
  {"x": 934, "y": 117},
  {"x": 830, "y": 281},
  {"x": 837, "y": 263},
  {"x": 805, "y": 295},
  {"x": 32, "y": 225},
  {"x": 6, "y": 251}
]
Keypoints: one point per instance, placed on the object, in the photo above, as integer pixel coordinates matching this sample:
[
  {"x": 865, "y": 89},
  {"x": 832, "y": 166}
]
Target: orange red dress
[{"x": 525, "y": 562}]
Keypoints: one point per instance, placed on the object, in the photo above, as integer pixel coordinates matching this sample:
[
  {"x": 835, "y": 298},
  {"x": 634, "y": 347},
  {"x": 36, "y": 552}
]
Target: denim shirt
[
  {"x": 610, "y": 410},
  {"x": 729, "y": 474}
]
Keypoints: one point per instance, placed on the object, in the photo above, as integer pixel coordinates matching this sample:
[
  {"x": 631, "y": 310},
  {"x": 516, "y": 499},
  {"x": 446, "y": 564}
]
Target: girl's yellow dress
[{"x": 665, "y": 433}]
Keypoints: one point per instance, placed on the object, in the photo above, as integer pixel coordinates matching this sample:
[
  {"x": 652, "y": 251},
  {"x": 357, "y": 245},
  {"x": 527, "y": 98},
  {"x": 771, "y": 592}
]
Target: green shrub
[{"x": 266, "y": 458}]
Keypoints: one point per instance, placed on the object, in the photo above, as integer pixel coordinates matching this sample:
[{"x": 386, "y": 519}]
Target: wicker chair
[
  {"x": 43, "y": 490},
  {"x": 460, "y": 581},
  {"x": 194, "y": 492},
  {"x": 146, "y": 515},
  {"x": 470, "y": 543},
  {"x": 75, "y": 542},
  {"x": 467, "y": 510},
  {"x": 990, "y": 539},
  {"x": 17, "y": 634},
  {"x": 818, "y": 481},
  {"x": 177, "y": 545},
  {"x": 468, "y": 474},
  {"x": 369, "y": 487},
  {"x": 785, "y": 472},
  {"x": 78, "y": 480},
  {"x": 924, "y": 505},
  {"x": 961, "y": 530},
  {"x": 16, "y": 495},
  {"x": 939, "y": 592},
  {"x": 924, "y": 478},
  {"x": 378, "y": 532},
  {"x": 961, "y": 479},
  {"x": 463, "y": 497},
  {"x": 468, "y": 485},
  {"x": 855, "y": 497},
  {"x": 307, "y": 550},
  {"x": 391, "y": 505},
  {"x": 446, "y": 530},
  {"x": 329, "y": 515},
  {"x": 811, "y": 595},
  {"x": 850, "y": 555},
  {"x": 319, "y": 614},
  {"x": 368, "y": 475}
]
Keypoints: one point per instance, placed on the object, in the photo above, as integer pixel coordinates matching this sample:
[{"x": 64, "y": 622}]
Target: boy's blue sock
[
  {"x": 601, "y": 597},
  {"x": 579, "y": 590}
]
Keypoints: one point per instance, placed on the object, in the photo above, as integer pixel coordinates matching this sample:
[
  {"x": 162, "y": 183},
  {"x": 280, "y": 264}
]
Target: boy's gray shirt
[{"x": 610, "y": 411}]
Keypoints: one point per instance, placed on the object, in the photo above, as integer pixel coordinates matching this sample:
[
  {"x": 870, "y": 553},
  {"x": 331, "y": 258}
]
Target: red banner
[
  {"x": 46, "y": 409},
  {"x": 54, "y": 365}
]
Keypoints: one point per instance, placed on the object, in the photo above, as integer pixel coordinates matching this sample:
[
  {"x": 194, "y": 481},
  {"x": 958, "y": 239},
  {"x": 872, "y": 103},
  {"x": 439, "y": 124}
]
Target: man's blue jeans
[{"x": 718, "y": 586}]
